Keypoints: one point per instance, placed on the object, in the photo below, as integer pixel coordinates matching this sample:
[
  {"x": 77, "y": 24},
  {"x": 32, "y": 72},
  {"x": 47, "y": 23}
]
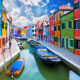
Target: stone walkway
[
  {"x": 8, "y": 54},
  {"x": 64, "y": 54}
]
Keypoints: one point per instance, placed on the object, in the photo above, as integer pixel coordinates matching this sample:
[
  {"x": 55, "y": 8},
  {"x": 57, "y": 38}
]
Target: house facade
[
  {"x": 77, "y": 27},
  {"x": 67, "y": 31},
  {"x": 63, "y": 10},
  {"x": 40, "y": 30},
  {"x": 46, "y": 31},
  {"x": 51, "y": 29}
]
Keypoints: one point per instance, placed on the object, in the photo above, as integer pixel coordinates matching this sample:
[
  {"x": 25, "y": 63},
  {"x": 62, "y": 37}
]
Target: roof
[{"x": 64, "y": 7}]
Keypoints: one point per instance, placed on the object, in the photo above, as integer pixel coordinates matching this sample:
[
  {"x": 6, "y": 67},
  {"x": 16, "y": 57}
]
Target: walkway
[
  {"x": 64, "y": 54},
  {"x": 9, "y": 54}
]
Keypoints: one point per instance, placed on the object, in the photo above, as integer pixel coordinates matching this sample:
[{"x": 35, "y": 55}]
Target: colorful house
[
  {"x": 14, "y": 33},
  {"x": 40, "y": 30},
  {"x": 34, "y": 31},
  {"x": 4, "y": 21},
  {"x": 0, "y": 18},
  {"x": 67, "y": 31},
  {"x": 46, "y": 31},
  {"x": 37, "y": 26},
  {"x": 77, "y": 27},
  {"x": 30, "y": 31},
  {"x": 9, "y": 27},
  {"x": 51, "y": 23},
  {"x": 3, "y": 26},
  {"x": 63, "y": 10}
]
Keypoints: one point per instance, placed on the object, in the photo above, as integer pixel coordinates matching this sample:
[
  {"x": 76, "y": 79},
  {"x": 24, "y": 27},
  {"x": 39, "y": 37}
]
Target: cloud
[
  {"x": 52, "y": 11},
  {"x": 30, "y": 2},
  {"x": 68, "y": 4},
  {"x": 22, "y": 13},
  {"x": 41, "y": 18},
  {"x": 22, "y": 21},
  {"x": 47, "y": 1}
]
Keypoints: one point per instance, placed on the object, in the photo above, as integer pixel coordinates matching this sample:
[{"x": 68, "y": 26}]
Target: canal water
[{"x": 35, "y": 70}]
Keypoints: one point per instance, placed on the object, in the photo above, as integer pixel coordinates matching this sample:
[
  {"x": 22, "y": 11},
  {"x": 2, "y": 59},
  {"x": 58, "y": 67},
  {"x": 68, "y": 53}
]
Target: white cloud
[
  {"x": 31, "y": 2},
  {"x": 22, "y": 21},
  {"x": 41, "y": 18},
  {"x": 17, "y": 12},
  {"x": 47, "y": 1},
  {"x": 52, "y": 11},
  {"x": 68, "y": 4},
  {"x": 43, "y": 4}
]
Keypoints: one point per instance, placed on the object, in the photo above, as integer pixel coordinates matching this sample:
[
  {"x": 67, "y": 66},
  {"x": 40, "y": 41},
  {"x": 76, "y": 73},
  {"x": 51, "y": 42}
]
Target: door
[{"x": 66, "y": 43}]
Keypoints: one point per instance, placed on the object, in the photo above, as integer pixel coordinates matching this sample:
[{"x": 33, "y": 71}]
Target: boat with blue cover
[
  {"x": 16, "y": 68},
  {"x": 46, "y": 56}
]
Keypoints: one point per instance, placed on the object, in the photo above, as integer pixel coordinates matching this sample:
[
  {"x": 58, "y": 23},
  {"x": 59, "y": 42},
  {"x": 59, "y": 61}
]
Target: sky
[{"x": 27, "y": 12}]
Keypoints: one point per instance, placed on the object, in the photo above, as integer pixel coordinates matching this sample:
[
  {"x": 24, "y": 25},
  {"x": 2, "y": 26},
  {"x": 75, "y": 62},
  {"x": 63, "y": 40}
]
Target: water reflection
[{"x": 35, "y": 70}]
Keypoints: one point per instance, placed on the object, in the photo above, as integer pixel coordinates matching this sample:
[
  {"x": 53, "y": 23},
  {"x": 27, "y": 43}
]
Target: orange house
[
  {"x": 63, "y": 10},
  {"x": 57, "y": 28}
]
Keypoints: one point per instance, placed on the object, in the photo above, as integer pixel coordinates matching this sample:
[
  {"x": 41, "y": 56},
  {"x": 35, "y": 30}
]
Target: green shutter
[{"x": 71, "y": 43}]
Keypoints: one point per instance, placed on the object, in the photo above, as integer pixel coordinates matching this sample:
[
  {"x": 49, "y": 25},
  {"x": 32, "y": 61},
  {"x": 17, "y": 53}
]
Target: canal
[{"x": 35, "y": 70}]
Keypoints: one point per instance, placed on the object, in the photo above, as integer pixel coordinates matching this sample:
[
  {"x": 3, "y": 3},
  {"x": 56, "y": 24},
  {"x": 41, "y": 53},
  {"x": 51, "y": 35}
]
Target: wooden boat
[
  {"x": 16, "y": 68},
  {"x": 46, "y": 56}
]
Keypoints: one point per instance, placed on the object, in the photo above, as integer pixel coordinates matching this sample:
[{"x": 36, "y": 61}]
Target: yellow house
[
  {"x": 23, "y": 31},
  {"x": 4, "y": 24}
]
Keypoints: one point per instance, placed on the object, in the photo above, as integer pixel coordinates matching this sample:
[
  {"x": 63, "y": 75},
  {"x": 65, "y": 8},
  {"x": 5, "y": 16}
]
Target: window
[
  {"x": 63, "y": 25},
  {"x": 2, "y": 25},
  {"x": 71, "y": 43},
  {"x": 54, "y": 28},
  {"x": 32, "y": 30},
  {"x": 77, "y": 44},
  {"x": 56, "y": 39},
  {"x": 70, "y": 24},
  {"x": 6, "y": 26},
  {"x": 33, "y": 26},
  {"x": 59, "y": 27},
  {"x": 62, "y": 42},
  {"x": 76, "y": 24},
  {"x": 76, "y": 5}
]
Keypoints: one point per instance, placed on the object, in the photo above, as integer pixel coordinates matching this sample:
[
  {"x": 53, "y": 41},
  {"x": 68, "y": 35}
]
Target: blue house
[
  {"x": 30, "y": 32},
  {"x": 0, "y": 17}
]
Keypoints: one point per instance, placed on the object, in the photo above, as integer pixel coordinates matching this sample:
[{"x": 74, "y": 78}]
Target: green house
[{"x": 67, "y": 31}]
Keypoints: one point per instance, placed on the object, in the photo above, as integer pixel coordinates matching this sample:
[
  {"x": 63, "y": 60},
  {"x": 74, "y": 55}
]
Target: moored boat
[
  {"x": 28, "y": 40},
  {"x": 46, "y": 56},
  {"x": 16, "y": 68},
  {"x": 33, "y": 43},
  {"x": 21, "y": 46}
]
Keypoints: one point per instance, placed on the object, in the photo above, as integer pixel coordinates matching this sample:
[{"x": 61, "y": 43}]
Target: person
[{"x": 10, "y": 44}]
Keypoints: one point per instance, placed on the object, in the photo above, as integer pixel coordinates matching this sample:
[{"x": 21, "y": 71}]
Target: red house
[
  {"x": 77, "y": 27},
  {"x": 51, "y": 23},
  {"x": 40, "y": 30}
]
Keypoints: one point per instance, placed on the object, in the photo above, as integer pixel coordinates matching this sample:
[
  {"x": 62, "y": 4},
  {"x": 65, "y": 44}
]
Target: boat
[
  {"x": 21, "y": 46},
  {"x": 73, "y": 75},
  {"x": 33, "y": 43},
  {"x": 46, "y": 56},
  {"x": 28, "y": 40},
  {"x": 16, "y": 68}
]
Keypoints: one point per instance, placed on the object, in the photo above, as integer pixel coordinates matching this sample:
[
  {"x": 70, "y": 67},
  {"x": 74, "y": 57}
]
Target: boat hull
[
  {"x": 17, "y": 72},
  {"x": 46, "y": 61}
]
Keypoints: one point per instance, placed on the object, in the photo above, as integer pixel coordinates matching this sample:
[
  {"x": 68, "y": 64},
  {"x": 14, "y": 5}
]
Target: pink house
[{"x": 51, "y": 23}]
